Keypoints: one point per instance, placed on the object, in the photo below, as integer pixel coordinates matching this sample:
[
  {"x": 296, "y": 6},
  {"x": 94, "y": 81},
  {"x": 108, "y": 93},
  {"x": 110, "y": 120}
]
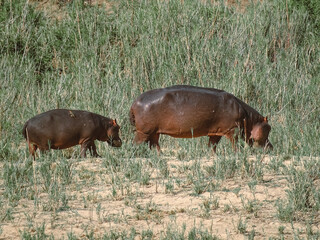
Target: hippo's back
[
  {"x": 61, "y": 127},
  {"x": 156, "y": 95},
  {"x": 58, "y": 120}
]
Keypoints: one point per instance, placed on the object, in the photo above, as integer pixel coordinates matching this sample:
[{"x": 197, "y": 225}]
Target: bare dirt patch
[
  {"x": 233, "y": 210},
  {"x": 56, "y": 8}
]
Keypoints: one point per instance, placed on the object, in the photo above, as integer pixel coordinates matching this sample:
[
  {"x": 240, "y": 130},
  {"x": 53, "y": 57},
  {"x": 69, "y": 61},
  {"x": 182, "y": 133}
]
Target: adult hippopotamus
[
  {"x": 63, "y": 128},
  {"x": 187, "y": 111}
]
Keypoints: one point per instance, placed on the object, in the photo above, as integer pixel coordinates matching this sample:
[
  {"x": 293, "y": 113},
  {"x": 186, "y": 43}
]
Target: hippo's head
[
  {"x": 113, "y": 134},
  {"x": 260, "y": 133}
]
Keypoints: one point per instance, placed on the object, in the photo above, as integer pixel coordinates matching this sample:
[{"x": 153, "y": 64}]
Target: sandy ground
[
  {"x": 54, "y": 10},
  {"x": 153, "y": 207}
]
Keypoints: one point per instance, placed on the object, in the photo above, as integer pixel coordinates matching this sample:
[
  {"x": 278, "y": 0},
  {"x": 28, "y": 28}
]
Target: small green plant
[
  {"x": 199, "y": 187},
  {"x": 310, "y": 232},
  {"x": 163, "y": 167},
  {"x": 98, "y": 212},
  {"x": 285, "y": 211},
  {"x": 300, "y": 189},
  {"x": 65, "y": 171},
  {"x": 253, "y": 168},
  {"x": 196, "y": 233},
  {"x": 169, "y": 186},
  {"x": 250, "y": 206},
  {"x": 275, "y": 164},
  {"x": 242, "y": 226},
  {"x": 252, "y": 185},
  {"x": 8, "y": 214},
  {"x": 64, "y": 202},
  {"x": 134, "y": 170},
  {"x": 208, "y": 205},
  {"x": 71, "y": 236},
  {"x": 227, "y": 208},
  {"x": 174, "y": 232},
  {"x": 37, "y": 233},
  {"x": 281, "y": 230},
  {"x": 251, "y": 234},
  {"x": 89, "y": 234},
  {"x": 225, "y": 167},
  {"x": 147, "y": 234},
  {"x": 145, "y": 178}
]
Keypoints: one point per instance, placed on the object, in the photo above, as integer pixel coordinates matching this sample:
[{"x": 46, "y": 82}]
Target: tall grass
[{"x": 101, "y": 62}]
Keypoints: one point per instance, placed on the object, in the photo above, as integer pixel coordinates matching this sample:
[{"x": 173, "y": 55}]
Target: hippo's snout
[
  {"x": 266, "y": 145},
  {"x": 116, "y": 143}
]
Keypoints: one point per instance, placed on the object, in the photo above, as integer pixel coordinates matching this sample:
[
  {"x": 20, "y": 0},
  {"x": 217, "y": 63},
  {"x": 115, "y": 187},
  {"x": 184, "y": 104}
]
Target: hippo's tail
[
  {"x": 24, "y": 131},
  {"x": 132, "y": 117}
]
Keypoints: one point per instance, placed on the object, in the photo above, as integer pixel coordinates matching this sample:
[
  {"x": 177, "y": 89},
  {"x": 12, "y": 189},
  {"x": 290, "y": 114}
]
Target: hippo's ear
[
  {"x": 265, "y": 119},
  {"x": 114, "y": 122}
]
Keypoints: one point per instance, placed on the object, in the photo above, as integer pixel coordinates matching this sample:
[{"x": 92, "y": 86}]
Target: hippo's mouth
[
  {"x": 268, "y": 146},
  {"x": 115, "y": 143}
]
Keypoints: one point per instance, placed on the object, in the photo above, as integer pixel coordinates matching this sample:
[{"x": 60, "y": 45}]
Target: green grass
[{"x": 268, "y": 56}]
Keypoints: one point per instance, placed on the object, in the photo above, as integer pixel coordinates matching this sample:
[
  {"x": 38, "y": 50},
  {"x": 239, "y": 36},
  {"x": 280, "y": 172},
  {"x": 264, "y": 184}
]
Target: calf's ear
[
  {"x": 112, "y": 123},
  {"x": 265, "y": 119}
]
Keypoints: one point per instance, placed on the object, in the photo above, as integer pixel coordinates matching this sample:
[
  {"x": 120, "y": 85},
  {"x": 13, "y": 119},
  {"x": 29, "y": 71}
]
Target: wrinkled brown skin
[
  {"x": 63, "y": 128},
  {"x": 186, "y": 111}
]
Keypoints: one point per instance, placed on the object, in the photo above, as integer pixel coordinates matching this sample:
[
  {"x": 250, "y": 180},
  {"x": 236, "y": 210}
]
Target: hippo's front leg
[
  {"x": 84, "y": 146},
  {"x": 233, "y": 137},
  {"x": 93, "y": 150},
  {"x": 214, "y": 140}
]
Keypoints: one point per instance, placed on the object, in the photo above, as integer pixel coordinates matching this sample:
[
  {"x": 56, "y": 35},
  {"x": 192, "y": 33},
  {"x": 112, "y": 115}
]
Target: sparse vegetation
[{"x": 267, "y": 54}]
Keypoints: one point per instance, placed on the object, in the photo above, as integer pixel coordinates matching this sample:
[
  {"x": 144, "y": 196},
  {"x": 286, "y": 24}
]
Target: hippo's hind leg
[
  {"x": 154, "y": 141},
  {"x": 214, "y": 140},
  {"x": 151, "y": 139},
  {"x": 140, "y": 137},
  {"x": 32, "y": 149}
]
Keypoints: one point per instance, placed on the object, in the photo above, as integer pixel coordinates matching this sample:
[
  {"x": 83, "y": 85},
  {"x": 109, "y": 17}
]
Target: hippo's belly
[{"x": 189, "y": 123}]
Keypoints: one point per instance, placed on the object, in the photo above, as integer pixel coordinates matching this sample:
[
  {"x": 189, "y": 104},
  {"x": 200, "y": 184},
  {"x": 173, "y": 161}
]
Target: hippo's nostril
[{"x": 116, "y": 143}]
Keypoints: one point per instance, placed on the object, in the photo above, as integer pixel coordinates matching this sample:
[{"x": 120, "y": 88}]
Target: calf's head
[
  {"x": 112, "y": 136},
  {"x": 260, "y": 133}
]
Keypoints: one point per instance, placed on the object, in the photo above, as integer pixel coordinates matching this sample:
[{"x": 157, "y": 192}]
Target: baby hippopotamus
[
  {"x": 186, "y": 111},
  {"x": 63, "y": 128}
]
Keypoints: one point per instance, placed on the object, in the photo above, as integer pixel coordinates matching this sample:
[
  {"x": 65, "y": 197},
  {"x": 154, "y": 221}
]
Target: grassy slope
[{"x": 99, "y": 62}]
